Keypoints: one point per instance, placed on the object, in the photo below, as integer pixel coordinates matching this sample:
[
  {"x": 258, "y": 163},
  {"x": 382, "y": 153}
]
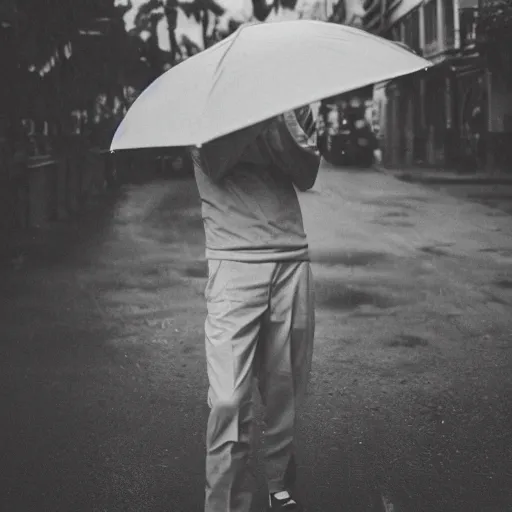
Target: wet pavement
[
  {"x": 498, "y": 195},
  {"x": 103, "y": 375}
]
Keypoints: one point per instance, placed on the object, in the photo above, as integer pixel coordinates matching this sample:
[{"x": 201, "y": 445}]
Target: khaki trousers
[{"x": 260, "y": 324}]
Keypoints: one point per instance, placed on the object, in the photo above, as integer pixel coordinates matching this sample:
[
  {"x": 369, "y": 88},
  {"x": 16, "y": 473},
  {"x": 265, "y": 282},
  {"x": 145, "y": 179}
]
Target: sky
[{"x": 239, "y": 10}]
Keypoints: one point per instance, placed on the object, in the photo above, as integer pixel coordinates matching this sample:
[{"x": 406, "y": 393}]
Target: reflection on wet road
[{"x": 103, "y": 375}]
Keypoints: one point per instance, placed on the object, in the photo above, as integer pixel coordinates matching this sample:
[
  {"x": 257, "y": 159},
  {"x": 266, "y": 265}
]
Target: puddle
[
  {"x": 496, "y": 213},
  {"x": 434, "y": 250},
  {"x": 350, "y": 258},
  {"x": 198, "y": 269},
  {"x": 395, "y": 214},
  {"x": 505, "y": 253},
  {"x": 407, "y": 341},
  {"x": 153, "y": 282},
  {"x": 498, "y": 300},
  {"x": 347, "y": 299},
  {"x": 398, "y": 224},
  {"x": 369, "y": 314},
  {"x": 491, "y": 197},
  {"x": 152, "y": 272},
  {"x": 195, "y": 223},
  {"x": 418, "y": 199},
  {"x": 506, "y": 284},
  {"x": 394, "y": 203}
]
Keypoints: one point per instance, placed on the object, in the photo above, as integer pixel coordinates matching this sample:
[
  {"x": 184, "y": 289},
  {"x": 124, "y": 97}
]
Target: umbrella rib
[
  {"x": 217, "y": 74},
  {"x": 226, "y": 93},
  {"x": 221, "y": 60}
]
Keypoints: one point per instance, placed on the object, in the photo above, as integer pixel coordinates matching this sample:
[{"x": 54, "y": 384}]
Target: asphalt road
[
  {"x": 497, "y": 196},
  {"x": 103, "y": 377}
]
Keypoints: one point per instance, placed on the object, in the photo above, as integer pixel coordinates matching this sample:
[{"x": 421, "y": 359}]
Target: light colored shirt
[{"x": 251, "y": 212}]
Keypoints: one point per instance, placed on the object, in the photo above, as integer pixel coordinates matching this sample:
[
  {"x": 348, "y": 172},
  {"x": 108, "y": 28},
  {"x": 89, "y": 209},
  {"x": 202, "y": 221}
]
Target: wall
[
  {"x": 500, "y": 104},
  {"x": 499, "y": 136},
  {"x": 399, "y": 8}
]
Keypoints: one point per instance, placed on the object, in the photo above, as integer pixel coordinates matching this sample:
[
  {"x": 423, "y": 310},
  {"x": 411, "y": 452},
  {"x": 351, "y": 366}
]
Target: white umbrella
[{"x": 259, "y": 72}]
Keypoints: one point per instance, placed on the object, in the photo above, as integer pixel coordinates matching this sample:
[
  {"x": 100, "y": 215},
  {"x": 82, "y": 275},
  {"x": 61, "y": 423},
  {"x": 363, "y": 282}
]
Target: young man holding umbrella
[
  {"x": 260, "y": 301},
  {"x": 259, "y": 293}
]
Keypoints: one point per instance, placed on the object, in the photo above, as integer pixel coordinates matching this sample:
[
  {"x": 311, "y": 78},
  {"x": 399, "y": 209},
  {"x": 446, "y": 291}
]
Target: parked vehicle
[{"x": 345, "y": 136}]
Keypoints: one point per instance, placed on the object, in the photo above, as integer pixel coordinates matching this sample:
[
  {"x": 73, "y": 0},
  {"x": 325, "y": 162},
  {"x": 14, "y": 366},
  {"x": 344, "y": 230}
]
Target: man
[{"x": 259, "y": 295}]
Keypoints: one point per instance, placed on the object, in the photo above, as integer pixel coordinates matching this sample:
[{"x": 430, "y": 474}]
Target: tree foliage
[
  {"x": 204, "y": 12},
  {"x": 64, "y": 55},
  {"x": 338, "y": 12},
  {"x": 262, "y": 8},
  {"x": 495, "y": 20},
  {"x": 495, "y": 35},
  {"x": 153, "y": 11}
]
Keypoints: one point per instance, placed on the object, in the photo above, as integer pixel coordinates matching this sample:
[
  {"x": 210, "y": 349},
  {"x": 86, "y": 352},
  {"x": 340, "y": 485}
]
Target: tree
[
  {"x": 348, "y": 12},
  {"x": 495, "y": 19},
  {"x": 339, "y": 12},
  {"x": 150, "y": 14},
  {"x": 262, "y": 8},
  {"x": 202, "y": 10},
  {"x": 146, "y": 22},
  {"x": 171, "y": 14},
  {"x": 494, "y": 33}
]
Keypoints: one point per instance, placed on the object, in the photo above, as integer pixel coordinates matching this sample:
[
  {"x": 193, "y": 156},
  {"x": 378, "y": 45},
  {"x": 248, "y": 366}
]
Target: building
[
  {"x": 458, "y": 114},
  {"x": 64, "y": 66}
]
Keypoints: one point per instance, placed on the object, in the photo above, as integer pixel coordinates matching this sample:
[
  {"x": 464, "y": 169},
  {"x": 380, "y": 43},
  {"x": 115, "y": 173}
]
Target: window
[
  {"x": 412, "y": 30},
  {"x": 468, "y": 25},
  {"x": 387, "y": 35},
  {"x": 430, "y": 16},
  {"x": 407, "y": 30},
  {"x": 415, "y": 24},
  {"x": 396, "y": 33},
  {"x": 449, "y": 23}
]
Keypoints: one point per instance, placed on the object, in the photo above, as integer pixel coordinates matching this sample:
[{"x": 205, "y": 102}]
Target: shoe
[{"x": 287, "y": 504}]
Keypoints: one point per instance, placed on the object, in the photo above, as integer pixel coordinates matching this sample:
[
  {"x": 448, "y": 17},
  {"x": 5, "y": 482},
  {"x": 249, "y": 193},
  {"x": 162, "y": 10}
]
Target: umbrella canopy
[{"x": 260, "y": 71}]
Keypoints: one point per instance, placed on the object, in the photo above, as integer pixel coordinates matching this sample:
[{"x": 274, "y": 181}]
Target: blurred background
[
  {"x": 102, "y": 368},
  {"x": 72, "y": 69}
]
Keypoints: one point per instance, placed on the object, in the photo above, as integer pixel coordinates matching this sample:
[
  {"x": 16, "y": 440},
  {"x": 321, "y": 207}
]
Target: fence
[{"x": 50, "y": 188}]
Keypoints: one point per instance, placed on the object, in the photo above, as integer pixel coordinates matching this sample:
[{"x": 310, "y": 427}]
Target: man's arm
[
  {"x": 216, "y": 158},
  {"x": 292, "y": 149}
]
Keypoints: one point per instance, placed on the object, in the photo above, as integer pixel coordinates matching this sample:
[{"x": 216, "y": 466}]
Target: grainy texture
[{"x": 103, "y": 375}]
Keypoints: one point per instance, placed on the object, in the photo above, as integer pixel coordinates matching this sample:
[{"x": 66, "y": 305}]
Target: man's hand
[{"x": 292, "y": 150}]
